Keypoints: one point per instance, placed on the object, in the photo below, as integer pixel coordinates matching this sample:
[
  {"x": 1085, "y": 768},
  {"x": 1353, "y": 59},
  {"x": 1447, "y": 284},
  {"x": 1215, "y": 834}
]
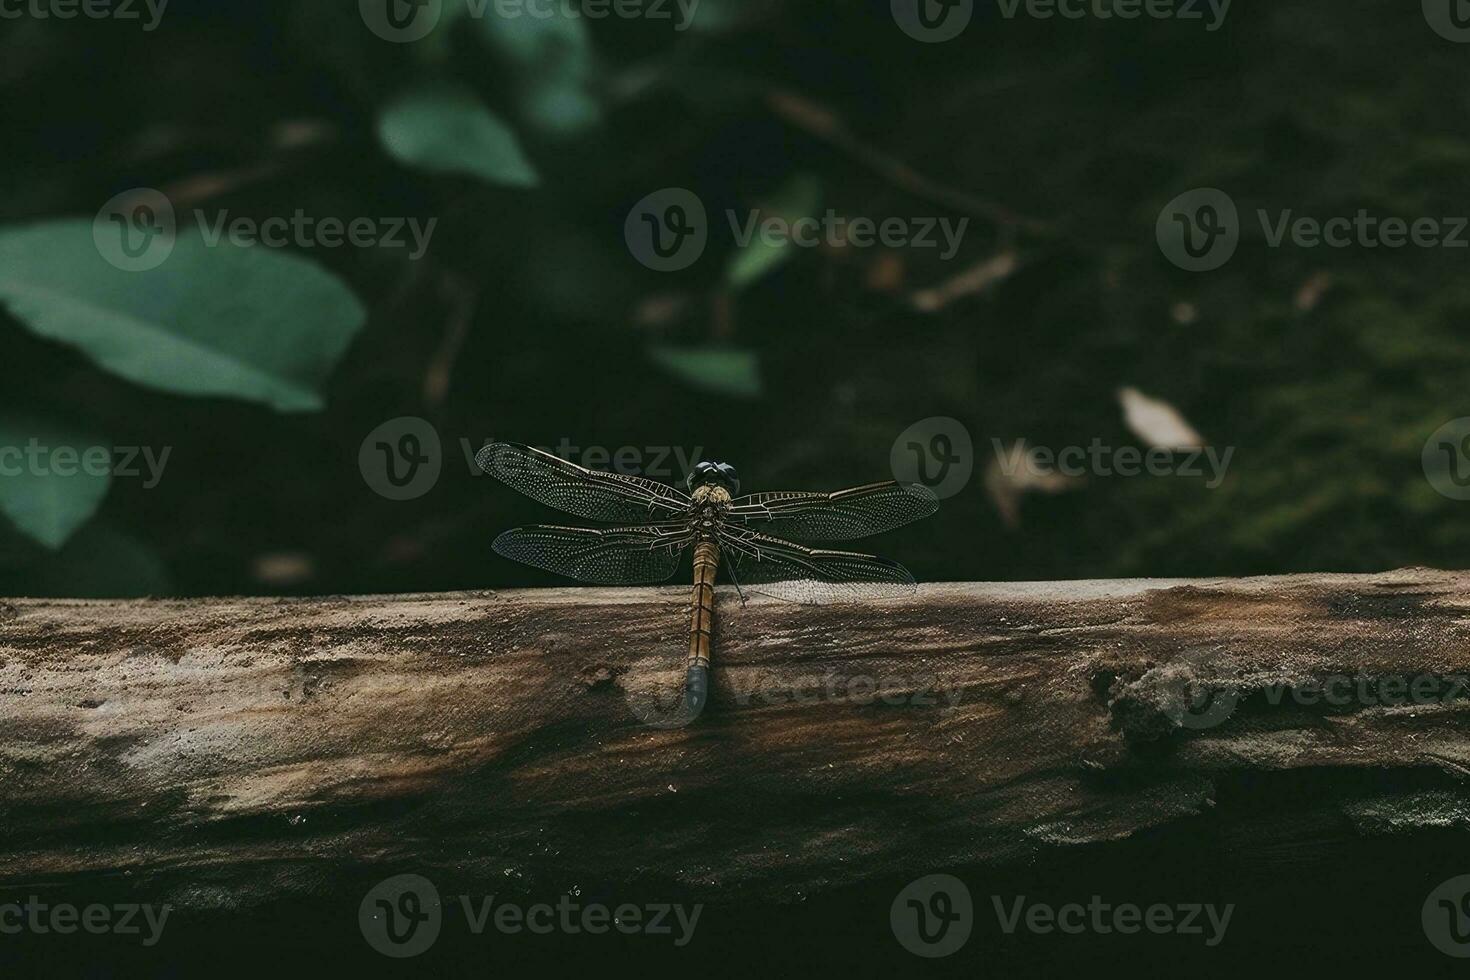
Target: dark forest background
[
  {"x": 269, "y": 374},
  {"x": 528, "y": 318}
]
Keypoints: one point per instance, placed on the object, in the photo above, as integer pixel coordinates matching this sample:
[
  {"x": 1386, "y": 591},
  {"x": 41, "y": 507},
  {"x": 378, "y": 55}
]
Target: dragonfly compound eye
[{"x": 700, "y": 474}]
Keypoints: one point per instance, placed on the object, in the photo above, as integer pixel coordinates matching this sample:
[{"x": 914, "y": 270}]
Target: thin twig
[
  {"x": 824, "y": 124},
  {"x": 463, "y": 299}
]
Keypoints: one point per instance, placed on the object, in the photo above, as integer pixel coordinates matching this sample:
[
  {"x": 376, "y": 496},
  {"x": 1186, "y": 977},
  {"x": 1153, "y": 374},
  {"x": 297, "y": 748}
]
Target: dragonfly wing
[
  {"x": 853, "y": 513},
  {"x": 600, "y": 556},
  {"x": 597, "y": 496},
  {"x": 770, "y": 566}
]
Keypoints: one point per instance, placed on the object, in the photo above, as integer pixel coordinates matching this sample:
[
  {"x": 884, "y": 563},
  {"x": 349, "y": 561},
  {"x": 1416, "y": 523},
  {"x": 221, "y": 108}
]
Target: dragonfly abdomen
[
  {"x": 701, "y": 624},
  {"x": 702, "y": 601}
]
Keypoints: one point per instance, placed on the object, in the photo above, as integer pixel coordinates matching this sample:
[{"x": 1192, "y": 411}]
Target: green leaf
[
  {"x": 797, "y": 198},
  {"x": 230, "y": 321},
  {"x": 446, "y": 129},
  {"x": 551, "y": 60},
  {"x": 49, "y": 483},
  {"x": 560, "y": 109},
  {"x": 719, "y": 370}
]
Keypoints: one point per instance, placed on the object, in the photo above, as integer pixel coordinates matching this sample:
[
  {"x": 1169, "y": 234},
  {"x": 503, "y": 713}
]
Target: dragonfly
[{"x": 760, "y": 540}]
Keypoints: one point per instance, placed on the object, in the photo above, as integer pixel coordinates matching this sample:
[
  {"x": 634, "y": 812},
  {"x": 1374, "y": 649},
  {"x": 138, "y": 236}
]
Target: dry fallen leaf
[
  {"x": 886, "y": 274},
  {"x": 1015, "y": 472},
  {"x": 660, "y": 309},
  {"x": 1157, "y": 422},
  {"x": 283, "y": 568},
  {"x": 976, "y": 279},
  {"x": 1310, "y": 293}
]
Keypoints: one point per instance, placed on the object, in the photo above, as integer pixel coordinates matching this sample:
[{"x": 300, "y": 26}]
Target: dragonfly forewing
[
  {"x": 845, "y": 514},
  {"x": 614, "y": 498}
]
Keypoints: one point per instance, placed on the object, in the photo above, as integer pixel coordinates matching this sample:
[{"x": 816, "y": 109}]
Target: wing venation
[
  {"x": 613, "y": 498},
  {"x": 770, "y": 566},
  {"x": 599, "y": 556},
  {"x": 853, "y": 513}
]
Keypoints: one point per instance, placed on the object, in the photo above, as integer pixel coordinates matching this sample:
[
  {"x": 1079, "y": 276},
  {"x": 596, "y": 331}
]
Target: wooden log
[{"x": 235, "y": 750}]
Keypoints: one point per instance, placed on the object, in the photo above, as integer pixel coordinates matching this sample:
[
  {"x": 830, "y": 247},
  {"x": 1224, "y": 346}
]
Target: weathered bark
[{"x": 231, "y": 750}]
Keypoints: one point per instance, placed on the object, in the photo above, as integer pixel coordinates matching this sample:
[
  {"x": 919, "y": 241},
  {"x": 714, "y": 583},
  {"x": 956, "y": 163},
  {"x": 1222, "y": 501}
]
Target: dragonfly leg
[{"x": 738, "y": 590}]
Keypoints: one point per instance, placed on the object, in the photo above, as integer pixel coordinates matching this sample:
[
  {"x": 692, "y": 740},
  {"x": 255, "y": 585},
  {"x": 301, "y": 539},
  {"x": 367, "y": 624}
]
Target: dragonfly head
[{"x": 722, "y": 473}]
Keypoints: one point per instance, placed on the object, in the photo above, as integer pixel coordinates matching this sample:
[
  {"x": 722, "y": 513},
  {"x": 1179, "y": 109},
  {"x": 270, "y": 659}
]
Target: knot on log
[
  {"x": 1193, "y": 692},
  {"x": 1203, "y": 690}
]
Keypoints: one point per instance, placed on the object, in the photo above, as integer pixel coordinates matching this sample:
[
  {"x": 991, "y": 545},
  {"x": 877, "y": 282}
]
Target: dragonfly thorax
[{"x": 710, "y": 501}]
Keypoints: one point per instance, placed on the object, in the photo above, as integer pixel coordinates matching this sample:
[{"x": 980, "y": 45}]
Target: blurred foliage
[
  {"x": 447, "y": 130},
  {"x": 528, "y": 319}
]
